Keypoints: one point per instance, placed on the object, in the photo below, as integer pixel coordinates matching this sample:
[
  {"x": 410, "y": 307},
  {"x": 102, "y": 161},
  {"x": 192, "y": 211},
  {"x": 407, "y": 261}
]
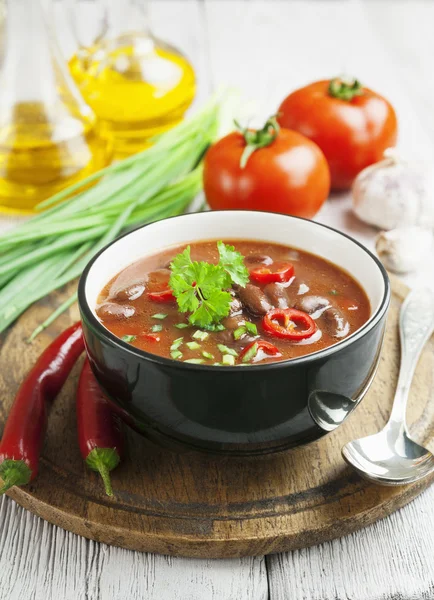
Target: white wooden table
[{"x": 266, "y": 48}]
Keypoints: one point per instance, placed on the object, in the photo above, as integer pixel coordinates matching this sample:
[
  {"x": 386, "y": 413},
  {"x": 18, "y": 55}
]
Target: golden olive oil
[
  {"x": 137, "y": 86},
  {"x": 44, "y": 150}
]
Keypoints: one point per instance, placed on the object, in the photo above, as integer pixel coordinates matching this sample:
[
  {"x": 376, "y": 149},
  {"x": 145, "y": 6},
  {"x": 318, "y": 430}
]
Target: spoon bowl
[
  {"x": 392, "y": 457},
  {"x": 388, "y": 460}
]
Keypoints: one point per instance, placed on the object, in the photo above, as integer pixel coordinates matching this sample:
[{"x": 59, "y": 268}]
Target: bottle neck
[
  {"x": 126, "y": 16},
  {"x": 33, "y": 69},
  {"x": 102, "y": 21}
]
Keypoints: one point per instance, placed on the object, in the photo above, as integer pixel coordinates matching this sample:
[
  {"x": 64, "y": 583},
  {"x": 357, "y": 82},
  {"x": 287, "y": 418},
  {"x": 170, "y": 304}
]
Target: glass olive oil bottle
[
  {"x": 137, "y": 85},
  {"x": 48, "y": 137}
]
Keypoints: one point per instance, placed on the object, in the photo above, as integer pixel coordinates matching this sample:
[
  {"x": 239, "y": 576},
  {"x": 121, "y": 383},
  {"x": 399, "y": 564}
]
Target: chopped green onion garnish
[
  {"x": 251, "y": 328},
  {"x": 182, "y": 325},
  {"x": 200, "y": 335},
  {"x": 194, "y": 361},
  {"x": 228, "y": 359},
  {"x": 128, "y": 338},
  {"x": 238, "y": 333},
  {"x": 156, "y": 328},
  {"x": 208, "y": 355},
  {"x": 193, "y": 346},
  {"x": 225, "y": 350},
  {"x": 217, "y": 364},
  {"x": 214, "y": 327},
  {"x": 333, "y": 292},
  {"x": 176, "y": 343},
  {"x": 159, "y": 316},
  {"x": 251, "y": 353},
  {"x": 176, "y": 354}
]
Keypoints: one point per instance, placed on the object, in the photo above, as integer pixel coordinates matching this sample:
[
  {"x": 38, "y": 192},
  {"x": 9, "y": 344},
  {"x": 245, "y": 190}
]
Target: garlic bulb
[
  {"x": 401, "y": 250},
  {"x": 393, "y": 193}
]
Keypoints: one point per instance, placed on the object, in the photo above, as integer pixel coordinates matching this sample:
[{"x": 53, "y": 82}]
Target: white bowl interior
[{"x": 304, "y": 235}]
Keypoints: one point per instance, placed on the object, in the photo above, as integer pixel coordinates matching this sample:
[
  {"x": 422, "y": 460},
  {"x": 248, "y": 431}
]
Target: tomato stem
[
  {"x": 103, "y": 460},
  {"x": 257, "y": 138},
  {"x": 14, "y": 472},
  {"x": 345, "y": 89}
]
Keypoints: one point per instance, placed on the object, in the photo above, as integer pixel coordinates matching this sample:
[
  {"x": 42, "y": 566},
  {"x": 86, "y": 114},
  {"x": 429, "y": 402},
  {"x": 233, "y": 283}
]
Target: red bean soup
[{"x": 291, "y": 303}]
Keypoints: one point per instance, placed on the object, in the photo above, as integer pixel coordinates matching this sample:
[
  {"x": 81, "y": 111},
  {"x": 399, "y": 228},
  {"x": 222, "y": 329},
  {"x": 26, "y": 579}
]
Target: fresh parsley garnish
[
  {"x": 200, "y": 288},
  {"x": 233, "y": 262}
]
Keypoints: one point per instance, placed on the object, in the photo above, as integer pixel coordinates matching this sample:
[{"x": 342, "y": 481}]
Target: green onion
[
  {"x": 251, "y": 353},
  {"x": 193, "y": 345},
  {"x": 156, "y": 328},
  {"x": 52, "y": 248},
  {"x": 128, "y": 338},
  {"x": 175, "y": 354},
  {"x": 238, "y": 333},
  {"x": 333, "y": 292},
  {"x": 208, "y": 355},
  {"x": 182, "y": 325},
  {"x": 251, "y": 328},
  {"x": 228, "y": 359},
  {"x": 176, "y": 343},
  {"x": 225, "y": 350},
  {"x": 200, "y": 335},
  {"x": 214, "y": 327},
  {"x": 159, "y": 316},
  {"x": 217, "y": 364},
  {"x": 194, "y": 361}
]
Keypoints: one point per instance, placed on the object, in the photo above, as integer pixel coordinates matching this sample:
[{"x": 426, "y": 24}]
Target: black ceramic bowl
[{"x": 263, "y": 408}]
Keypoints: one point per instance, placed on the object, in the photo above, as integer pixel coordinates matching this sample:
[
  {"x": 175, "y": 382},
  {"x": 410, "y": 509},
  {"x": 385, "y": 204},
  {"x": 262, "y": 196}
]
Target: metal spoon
[{"x": 392, "y": 457}]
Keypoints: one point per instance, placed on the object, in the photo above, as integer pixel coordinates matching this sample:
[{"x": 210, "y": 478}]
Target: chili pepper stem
[
  {"x": 14, "y": 472},
  {"x": 103, "y": 460}
]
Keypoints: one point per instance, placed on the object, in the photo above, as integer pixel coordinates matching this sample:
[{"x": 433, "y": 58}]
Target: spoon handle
[{"x": 416, "y": 325}]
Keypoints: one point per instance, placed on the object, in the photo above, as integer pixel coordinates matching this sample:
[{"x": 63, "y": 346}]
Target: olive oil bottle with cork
[
  {"x": 137, "y": 85},
  {"x": 48, "y": 135}
]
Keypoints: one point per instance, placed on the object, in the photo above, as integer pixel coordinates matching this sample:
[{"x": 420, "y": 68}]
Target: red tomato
[
  {"x": 290, "y": 175},
  {"x": 352, "y": 133}
]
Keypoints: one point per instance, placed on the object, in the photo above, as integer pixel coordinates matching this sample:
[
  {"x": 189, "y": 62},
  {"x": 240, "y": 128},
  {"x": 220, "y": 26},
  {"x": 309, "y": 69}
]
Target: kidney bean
[
  {"x": 257, "y": 259},
  {"x": 236, "y": 307},
  {"x": 313, "y": 305},
  {"x": 110, "y": 311},
  {"x": 277, "y": 295},
  {"x": 131, "y": 292},
  {"x": 254, "y": 299},
  {"x": 335, "y": 323}
]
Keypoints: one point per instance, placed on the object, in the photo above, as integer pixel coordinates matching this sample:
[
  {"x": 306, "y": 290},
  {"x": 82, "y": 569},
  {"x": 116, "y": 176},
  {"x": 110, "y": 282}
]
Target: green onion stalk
[{"x": 52, "y": 248}]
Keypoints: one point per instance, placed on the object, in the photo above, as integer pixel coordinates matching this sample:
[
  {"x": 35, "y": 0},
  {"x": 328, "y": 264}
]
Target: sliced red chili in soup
[
  {"x": 275, "y": 273},
  {"x": 165, "y": 295},
  {"x": 251, "y": 351},
  {"x": 294, "y": 303},
  {"x": 289, "y": 324}
]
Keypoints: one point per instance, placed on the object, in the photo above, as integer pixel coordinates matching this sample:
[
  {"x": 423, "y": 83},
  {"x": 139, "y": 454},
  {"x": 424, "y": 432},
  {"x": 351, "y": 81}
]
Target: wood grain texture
[
  {"x": 64, "y": 566},
  {"x": 390, "y": 560},
  {"x": 393, "y": 559},
  {"x": 194, "y": 504}
]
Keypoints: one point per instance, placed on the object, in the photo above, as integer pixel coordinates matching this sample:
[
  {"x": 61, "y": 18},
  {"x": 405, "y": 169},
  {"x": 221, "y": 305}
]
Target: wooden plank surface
[
  {"x": 392, "y": 559},
  {"x": 206, "y": 506}
]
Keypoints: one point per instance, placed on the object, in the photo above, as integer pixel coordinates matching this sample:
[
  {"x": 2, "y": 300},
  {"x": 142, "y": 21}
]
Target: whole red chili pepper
[
  {"x": 99, "y": 428},
  {"x": 25, "y": 427}
]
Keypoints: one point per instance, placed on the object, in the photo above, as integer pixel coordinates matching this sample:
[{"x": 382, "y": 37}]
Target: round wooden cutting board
[{"x": 194, "y": 504}]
